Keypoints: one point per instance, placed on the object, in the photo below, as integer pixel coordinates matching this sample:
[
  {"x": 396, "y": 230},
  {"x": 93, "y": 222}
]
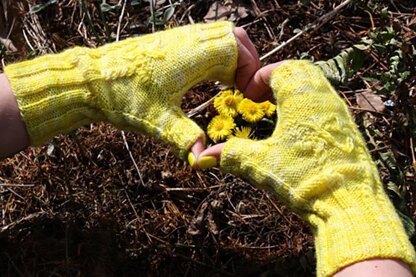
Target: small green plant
[
  {"x": 391, "y": 47},
  {"x": 162, "y": 15},
  {"x": 40, "y": 7}
]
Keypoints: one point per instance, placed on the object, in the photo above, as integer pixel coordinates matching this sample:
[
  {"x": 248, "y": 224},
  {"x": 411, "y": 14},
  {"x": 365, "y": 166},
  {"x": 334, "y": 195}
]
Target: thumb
[
  {"x": 230, "y": 155},
  {"x": 210, "y": 157},
  {"x": 179, "y": 131}
]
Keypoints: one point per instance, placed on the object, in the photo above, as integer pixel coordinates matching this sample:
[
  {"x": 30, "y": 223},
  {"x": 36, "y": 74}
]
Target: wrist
[
  {"x": 53, "y": 93},
  {"x": 357, "y": 224},
  {"x": 13, "y": 136}
]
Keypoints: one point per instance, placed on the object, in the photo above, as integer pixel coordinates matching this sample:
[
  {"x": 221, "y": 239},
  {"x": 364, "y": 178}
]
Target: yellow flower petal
[
  {"x": 220, "y": 127},
  {"x": 243, "y": 132},
  {"x": 268, "y": 108},
  {"x": 251, "y": 111},
  {"x": 227, "y": 102}
]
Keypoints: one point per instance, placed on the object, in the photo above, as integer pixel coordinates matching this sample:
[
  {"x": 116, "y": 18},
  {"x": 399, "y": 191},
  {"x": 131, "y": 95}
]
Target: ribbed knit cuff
[
  {"x": 53, "y": 93},
  {"x": 357, "y": 225}
]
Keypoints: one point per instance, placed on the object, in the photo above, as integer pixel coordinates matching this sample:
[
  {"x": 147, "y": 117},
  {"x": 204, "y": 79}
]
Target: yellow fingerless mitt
[
  {"x": 317, "y": 162},
  {"x": 136, "y": 84}
]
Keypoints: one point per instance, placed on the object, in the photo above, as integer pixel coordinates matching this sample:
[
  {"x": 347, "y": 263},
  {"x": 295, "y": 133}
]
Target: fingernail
[
  {"x": 207, "y": 162},
  {"x": 191, "y": 159}
]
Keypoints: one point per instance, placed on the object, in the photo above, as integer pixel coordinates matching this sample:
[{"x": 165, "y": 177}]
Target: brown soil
[{"x": 84, "y": 210}]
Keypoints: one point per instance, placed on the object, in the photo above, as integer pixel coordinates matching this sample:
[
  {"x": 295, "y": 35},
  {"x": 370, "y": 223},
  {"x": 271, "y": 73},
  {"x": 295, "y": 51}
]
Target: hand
[
  {"x": 317, "y": 163},
  {"x": 136, "y": 84},
  {"x": 246, "y": 77}
]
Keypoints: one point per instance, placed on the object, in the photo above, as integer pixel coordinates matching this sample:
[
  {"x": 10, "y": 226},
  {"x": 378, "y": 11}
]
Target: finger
[
  {"x": 195, "y": 151},
  {"x": 180, "y": 132},
  {"x": 246, "y": 67},
  {"x": 210, "y": 157},
  {"x": 214, "y": 151},
  {"x": 198, "y": 147},
  {"x": 248, "y": 61},
  {"x": 258, "y": 87},
  {"x": 242, "y": 36}
]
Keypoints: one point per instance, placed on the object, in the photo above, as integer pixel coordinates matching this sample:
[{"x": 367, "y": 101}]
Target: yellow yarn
[
  {"x": 136, "y": 84},
  {"x": 317, "y": 162}
]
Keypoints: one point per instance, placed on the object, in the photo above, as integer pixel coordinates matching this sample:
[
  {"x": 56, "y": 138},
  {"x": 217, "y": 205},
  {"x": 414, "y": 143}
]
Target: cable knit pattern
[
  {"x": 136, "y": 84},
  {"x": 317, "y": 162}
]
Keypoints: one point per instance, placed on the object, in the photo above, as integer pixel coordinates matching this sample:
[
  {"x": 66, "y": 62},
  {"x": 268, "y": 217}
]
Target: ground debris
[{"x": 78, "y": 207}]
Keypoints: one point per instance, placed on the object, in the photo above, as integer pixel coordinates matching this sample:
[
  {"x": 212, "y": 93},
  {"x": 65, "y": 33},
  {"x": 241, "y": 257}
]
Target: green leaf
[
  {"x": 394, "y": 188},
  {"x": 40, "y": 7},
  {"x": 389, "y": 159},
  {"x": 340, "y": 68},
  {"x": 384, "y": 12},
  {"x": 370, "y": 79},
  {"x": 107, "y": 7},
  {"x": 408, "y": 223},
  {"x": 168, "y": 13},
  {"x": 362, "y": 47}
]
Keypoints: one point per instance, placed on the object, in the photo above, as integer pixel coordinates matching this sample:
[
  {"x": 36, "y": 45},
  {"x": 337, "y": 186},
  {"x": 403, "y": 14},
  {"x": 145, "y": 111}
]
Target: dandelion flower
[
  {"x": 220, "y": 127},
  {"x": 227, "y": 102},
  {"x": 243, "y": 132},
  {"x": 251, "y": 111},
  {"x": 268, "y": 108}
]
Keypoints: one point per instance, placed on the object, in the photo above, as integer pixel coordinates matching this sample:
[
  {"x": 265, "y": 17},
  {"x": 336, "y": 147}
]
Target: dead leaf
[
  {"x": 212, "y": 226},
  {"x": 229, "y": 10},
  {"x": 370, "y": 101}
]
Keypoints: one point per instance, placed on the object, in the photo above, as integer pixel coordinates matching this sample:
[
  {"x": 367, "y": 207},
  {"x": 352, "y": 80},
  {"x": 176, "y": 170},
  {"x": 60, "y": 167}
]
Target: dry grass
[{"x": 84, "y": 210}]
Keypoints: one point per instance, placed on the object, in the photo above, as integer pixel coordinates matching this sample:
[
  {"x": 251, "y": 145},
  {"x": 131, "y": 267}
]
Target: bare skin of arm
[
  {"x": 13, "y": 134},
  {"x": 376, "y": 268}
]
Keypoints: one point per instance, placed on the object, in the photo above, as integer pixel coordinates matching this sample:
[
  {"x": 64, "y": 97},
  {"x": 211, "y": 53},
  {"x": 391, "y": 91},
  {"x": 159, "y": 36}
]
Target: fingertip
[
  {"x": 213, "y": 151},
  {"x": 198, "y": 147},
  {"x": 191, "y": 160}
]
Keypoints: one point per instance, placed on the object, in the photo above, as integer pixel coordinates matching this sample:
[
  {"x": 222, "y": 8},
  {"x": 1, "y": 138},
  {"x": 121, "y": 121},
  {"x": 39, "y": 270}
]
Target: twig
[
  {"x": 122, "y": 132},
  {"x": 201, "y": 107},
  {"x": 131, "y": 204},
  {"x": 251, "y": 23},
  {"x": 277, "y": 209},
  {"x": 132, "y": 158},
  {"x": 120, "y": 19},
  {"x": 16, "y": 185},
  {"x": 315, "y": 25},
  {"x": 15, "y": 193},
  {"x": 282, "y": 28},
  {"x": 3, "y": 211},
  {"x": 185, "y": 13},
  {"x": 4, "y": 228},
  {"x": 152, "y": 14},
  {"x": 8, "y": 43},
  {"x": 89, "y": 20},
  {"x": 365, "y": 110},
  {"x": 412, "y": 151},
  {"x": 192, "y": 189}
]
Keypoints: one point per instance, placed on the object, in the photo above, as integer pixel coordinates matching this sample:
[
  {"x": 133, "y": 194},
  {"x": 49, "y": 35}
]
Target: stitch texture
[
  {"x": 136, "y": 84},
  {"x": 317, "y": 162}
]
